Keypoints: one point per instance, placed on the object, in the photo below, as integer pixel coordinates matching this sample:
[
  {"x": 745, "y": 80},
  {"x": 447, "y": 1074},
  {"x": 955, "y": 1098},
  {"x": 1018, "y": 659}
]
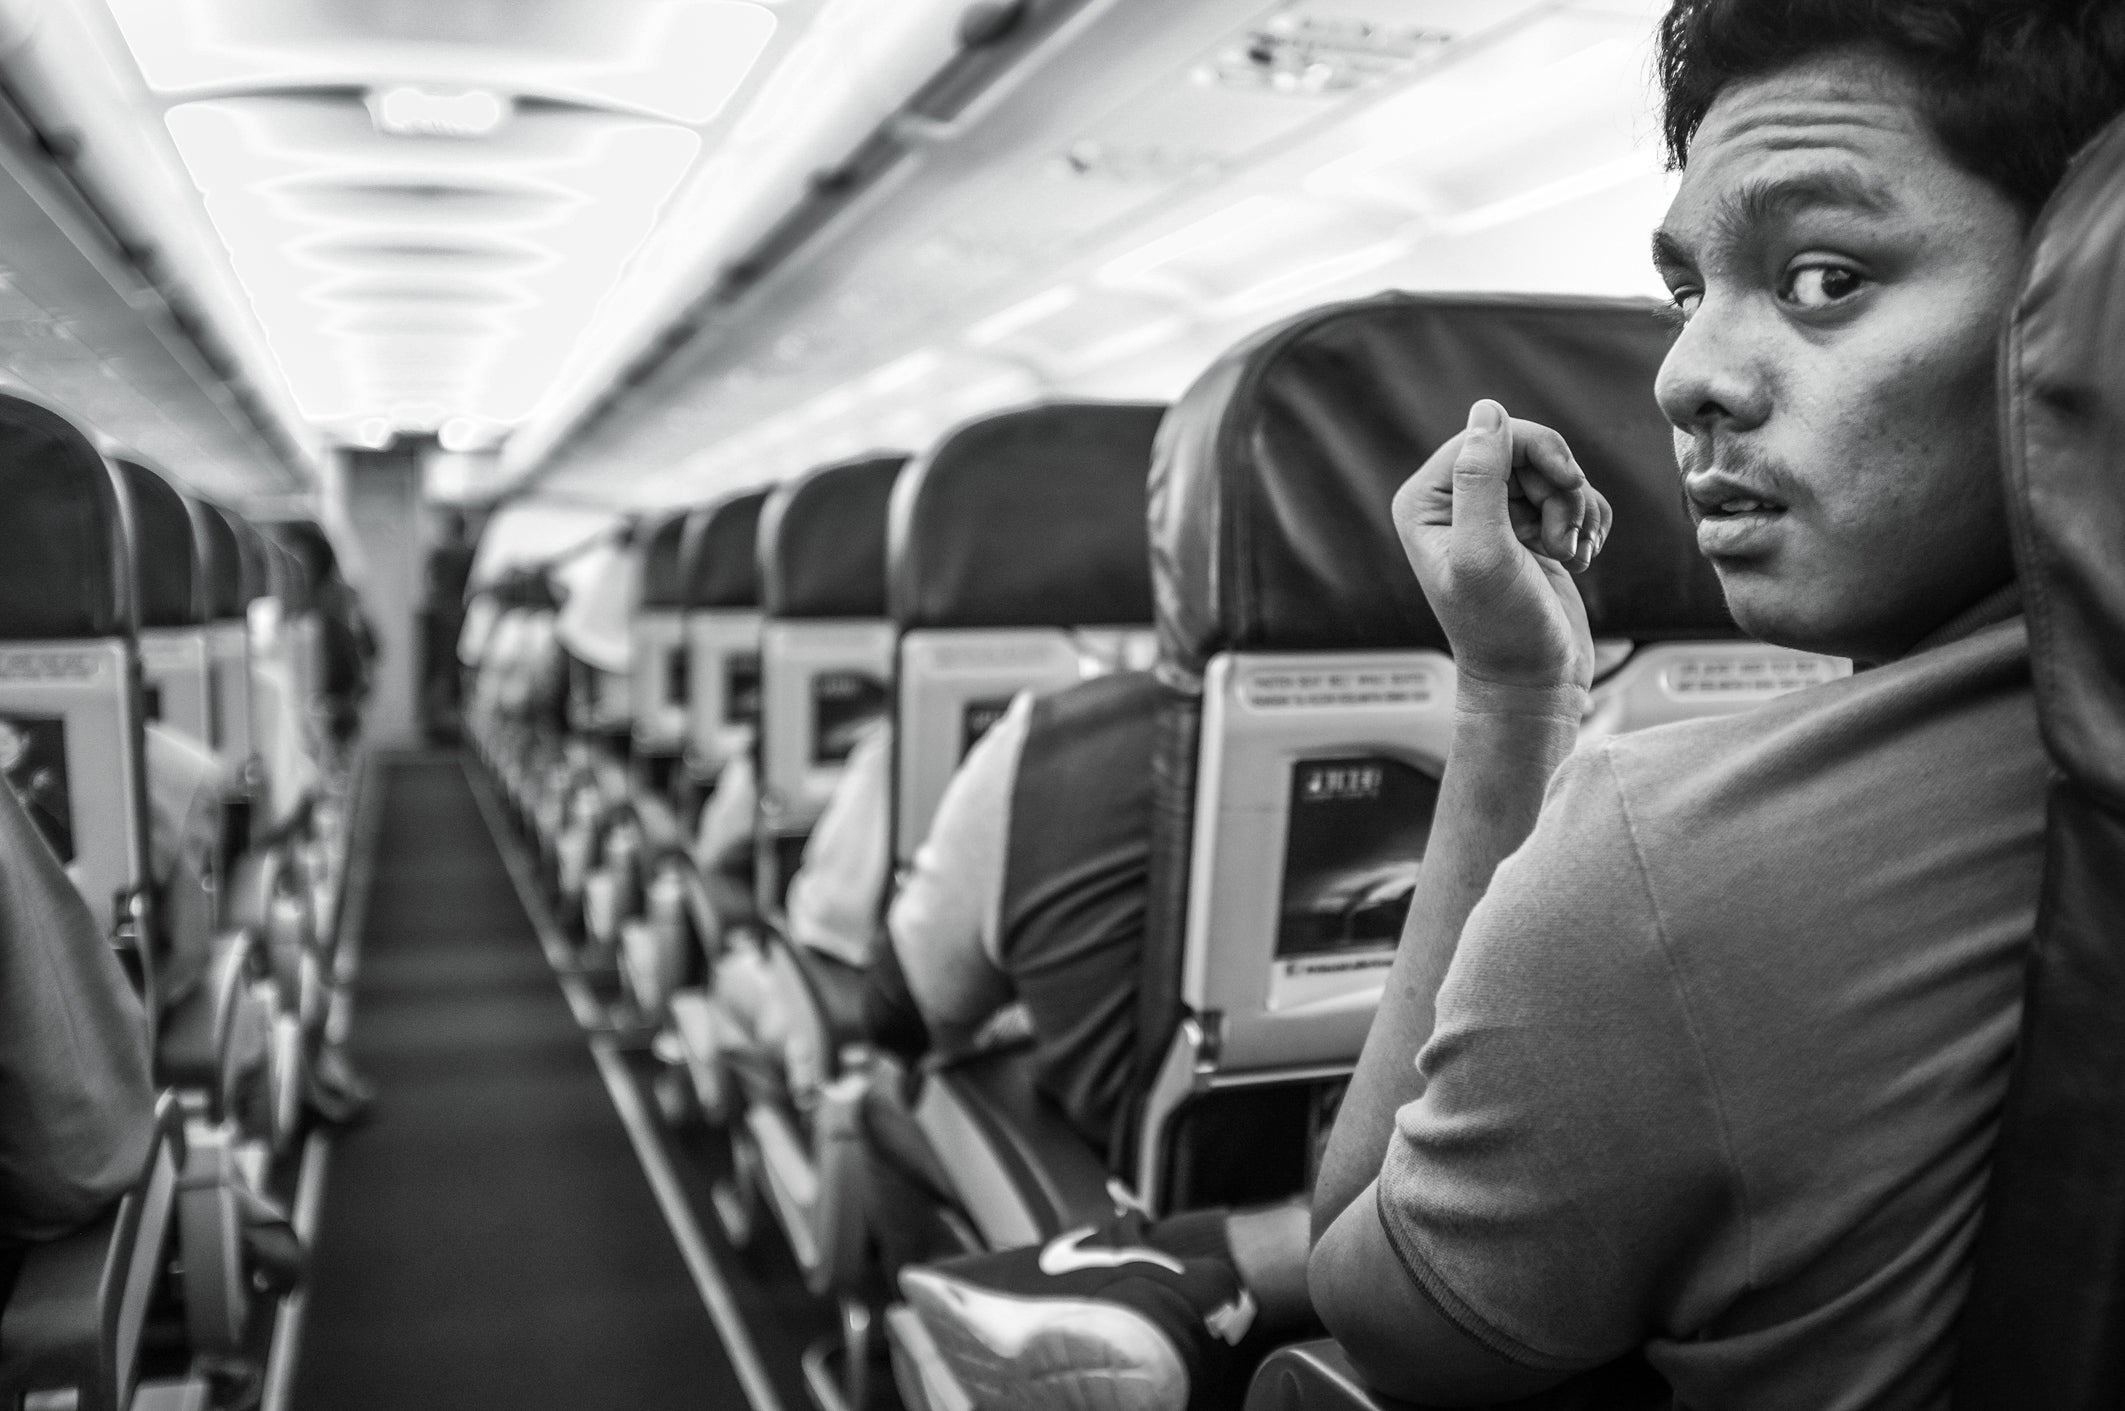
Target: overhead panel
[{"x": 427, "y": 203}]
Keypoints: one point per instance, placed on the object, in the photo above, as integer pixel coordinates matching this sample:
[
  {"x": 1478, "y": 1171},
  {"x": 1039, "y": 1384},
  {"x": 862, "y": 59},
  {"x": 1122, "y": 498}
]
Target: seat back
[
  {"x": 2045, "y": 1321},
  {"x": 721, "y": 568},
  {"x": 1016, "y": 560},
  {"x": 306, "y": 560},
  {"x": 175, "y": 661},
  {"x": 1309, "y": 701},
  {"x": 826, "y": 646},
  {"x": 657, "y": 659},
  {"x": 231, "y": 587},
  {"x": 70, "y": 692},
  {"x": 593, "y": 625}
]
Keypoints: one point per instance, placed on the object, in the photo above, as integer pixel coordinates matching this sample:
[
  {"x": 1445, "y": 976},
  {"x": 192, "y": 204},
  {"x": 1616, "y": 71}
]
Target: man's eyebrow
[
  {"x": 1768, "y": 200},
  {"x": 1668, "y": 256}
]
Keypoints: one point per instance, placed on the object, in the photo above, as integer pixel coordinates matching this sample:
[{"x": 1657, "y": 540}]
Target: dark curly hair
[{"x": 2010, "y": 88}]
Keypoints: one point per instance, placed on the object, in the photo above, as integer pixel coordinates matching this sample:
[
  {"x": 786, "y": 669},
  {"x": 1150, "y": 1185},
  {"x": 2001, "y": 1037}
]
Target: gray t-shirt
[{"x": 1720, "y": 1057}]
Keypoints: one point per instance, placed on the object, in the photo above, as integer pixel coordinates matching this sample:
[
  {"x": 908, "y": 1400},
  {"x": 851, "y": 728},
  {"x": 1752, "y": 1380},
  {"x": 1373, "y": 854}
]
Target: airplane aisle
[{"x": 488, "y": 1237}]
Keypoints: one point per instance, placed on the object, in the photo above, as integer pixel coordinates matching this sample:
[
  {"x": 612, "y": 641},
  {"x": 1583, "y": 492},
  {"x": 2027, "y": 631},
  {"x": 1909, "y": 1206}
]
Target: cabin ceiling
[
  {"x": 1145, "y": 196},
  {"x": 557, "y": 232}
]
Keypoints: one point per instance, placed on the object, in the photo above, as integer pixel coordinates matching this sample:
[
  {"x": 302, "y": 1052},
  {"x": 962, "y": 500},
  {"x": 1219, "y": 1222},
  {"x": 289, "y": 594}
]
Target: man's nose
[{"x": 1716, "y": 376}]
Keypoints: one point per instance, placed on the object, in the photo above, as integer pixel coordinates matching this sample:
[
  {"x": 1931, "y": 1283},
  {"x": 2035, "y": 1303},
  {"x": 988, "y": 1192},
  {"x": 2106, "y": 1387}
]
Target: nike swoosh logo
[{"x": 1066, "y": 1254}]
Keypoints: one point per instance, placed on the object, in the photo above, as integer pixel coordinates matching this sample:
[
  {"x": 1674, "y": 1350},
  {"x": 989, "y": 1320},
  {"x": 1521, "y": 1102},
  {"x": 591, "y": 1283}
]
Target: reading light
[{"x": 407, "y": 111}]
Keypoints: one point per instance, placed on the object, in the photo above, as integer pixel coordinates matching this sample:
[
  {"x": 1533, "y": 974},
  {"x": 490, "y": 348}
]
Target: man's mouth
[{"x": 1740, "y": 505}]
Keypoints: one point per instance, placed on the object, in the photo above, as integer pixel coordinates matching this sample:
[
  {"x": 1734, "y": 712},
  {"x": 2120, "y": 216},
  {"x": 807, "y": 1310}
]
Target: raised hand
[{"x": 1495, "y": 523}]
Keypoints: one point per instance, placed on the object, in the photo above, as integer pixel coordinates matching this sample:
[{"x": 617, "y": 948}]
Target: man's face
[{"x": 1842, "y": 285}]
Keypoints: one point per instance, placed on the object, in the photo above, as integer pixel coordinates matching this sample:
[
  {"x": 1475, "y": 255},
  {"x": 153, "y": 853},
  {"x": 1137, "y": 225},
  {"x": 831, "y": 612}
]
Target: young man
[{"x": 1696, "y": 1039}]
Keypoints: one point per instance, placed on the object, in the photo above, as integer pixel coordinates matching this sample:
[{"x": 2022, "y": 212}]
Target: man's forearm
[{"x": 1507, "y": 743}]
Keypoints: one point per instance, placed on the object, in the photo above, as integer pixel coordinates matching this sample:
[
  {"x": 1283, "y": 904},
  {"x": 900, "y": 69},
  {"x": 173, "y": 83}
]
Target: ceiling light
[
  {"x": 462, "y": 433},
  {"x": 997, "y": 327},
  {"x": 407, "y": 111}
]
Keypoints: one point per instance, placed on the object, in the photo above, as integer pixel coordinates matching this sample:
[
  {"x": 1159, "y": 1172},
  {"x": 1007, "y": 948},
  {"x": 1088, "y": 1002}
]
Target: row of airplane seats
[{"x": 176, "y": 707}]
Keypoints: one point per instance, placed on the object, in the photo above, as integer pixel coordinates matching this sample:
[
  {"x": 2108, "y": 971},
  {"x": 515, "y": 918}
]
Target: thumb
[{"x": 1482, "y": 470}]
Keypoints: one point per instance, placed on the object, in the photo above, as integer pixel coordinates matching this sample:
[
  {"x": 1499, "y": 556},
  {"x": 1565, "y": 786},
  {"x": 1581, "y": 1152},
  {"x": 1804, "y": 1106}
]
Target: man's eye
[
  {"x": 1683, "y": 303},
  {"x": 1820, "y": 286}
]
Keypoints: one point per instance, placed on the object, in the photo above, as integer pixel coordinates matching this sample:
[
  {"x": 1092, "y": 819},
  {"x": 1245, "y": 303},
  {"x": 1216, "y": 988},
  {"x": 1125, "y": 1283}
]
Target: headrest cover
[
  {"x": 2065, "y": 434},
  {"x": 66, "y": 572},
  {"x": 1029, "y": 518},
  {"x": 1271, "y": 485},
  {"x": 822, "y": 540},
  {"x": 220, "y": 560},
  {"x": 165, "y": 555},
  {"x": 662, "y": 585},
  {"x": 721, "y": 556}
]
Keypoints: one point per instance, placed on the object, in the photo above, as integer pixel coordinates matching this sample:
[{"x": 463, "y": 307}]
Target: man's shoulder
[{"x": 1967, "y": 704}]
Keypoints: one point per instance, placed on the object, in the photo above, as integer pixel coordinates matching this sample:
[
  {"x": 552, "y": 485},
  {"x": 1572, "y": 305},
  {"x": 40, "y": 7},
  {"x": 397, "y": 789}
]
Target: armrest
[
  {"x": 835, "y": 992},
  {"x": 75, "y": 1316},
  {"x": 1022, "y": 1173},
  {"x": 662, "y": 833},
  {"x": 1310, "y": 1376},
  {"x": 1316, "y": 1376}
]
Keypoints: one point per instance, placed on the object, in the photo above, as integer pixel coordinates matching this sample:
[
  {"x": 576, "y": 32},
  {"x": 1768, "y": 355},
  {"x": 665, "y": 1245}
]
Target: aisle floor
[{"x": 487, "y": 1238}]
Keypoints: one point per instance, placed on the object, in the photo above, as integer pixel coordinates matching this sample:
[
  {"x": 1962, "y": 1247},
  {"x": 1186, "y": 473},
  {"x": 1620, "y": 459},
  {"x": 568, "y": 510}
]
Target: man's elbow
[{"x": 1397, "y": 1341}]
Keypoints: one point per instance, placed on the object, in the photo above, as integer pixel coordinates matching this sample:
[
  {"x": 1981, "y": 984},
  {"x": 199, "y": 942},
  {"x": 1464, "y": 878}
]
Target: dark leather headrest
[
  {"x": 1273, "y": 477},
  {"x": 2064, "y": 417},
  {"x": 528, "y": 588},
  {"x": 662, "y": 584},
  {"x": 721, "y": 556},
  {"x": 165, "y": 555},
  {"x": 65, "y": 572},
  {"x": 220, "y": 560},
  {"x": 822, "y": 540},
  {"x": 314, "y": 559},
  {"x": 255, "y": 556},
  {"x": 1028, "y": 518},
  {"x": 292, "y": 583}
]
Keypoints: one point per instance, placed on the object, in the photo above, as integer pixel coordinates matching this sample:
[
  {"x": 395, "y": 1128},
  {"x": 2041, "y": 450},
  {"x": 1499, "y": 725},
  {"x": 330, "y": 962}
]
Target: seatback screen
[
  {"x": 843, "y": 703},
  {"x": 1358, "y": 827},
  {"x": 741, "y": 688},
  {"x": 33, "y": 759},
  {"x": 978, "y": 719},
  {"x": 676, "y": 688}
]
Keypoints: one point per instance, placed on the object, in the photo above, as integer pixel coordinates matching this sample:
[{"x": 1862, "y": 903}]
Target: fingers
[
  {"x": 1518, "y": 477},
  {"x": 1569, "y": 517}
]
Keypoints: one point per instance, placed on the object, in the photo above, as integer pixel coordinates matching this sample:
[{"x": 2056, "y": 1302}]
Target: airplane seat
[
  {"x": 1016, "y": 561},
  {"x": 826, "y": 648},
  {"x": 698, "y": 901},
  {"x": 2045, "y": 1321},
  {"x": 721, "y": 565},
  {"x": 658, "y": 656},
  {"x": 74, "y": 1327},
  {"x": 229, "y": 592},
  {"x": 594, "y": 629},
  {"x": 1309, "y": 699},
  {"x": 188, "y": 787}
]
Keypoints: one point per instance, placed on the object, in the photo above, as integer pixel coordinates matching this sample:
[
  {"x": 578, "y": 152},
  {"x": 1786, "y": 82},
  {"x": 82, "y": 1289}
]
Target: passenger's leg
[{"x": 1133, "y": 1315}]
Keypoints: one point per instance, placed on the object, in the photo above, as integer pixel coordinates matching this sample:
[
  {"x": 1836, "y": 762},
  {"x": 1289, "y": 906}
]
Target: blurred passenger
[
  {"x": 1696, "y": 1038},
  {"x": 834, "y": 900},
  {"x": 76, "y": 1101}
]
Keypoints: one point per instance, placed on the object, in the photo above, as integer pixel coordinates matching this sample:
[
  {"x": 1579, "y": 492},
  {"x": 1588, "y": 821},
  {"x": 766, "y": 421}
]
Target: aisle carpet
[{"x": 487, "y": 1239}]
